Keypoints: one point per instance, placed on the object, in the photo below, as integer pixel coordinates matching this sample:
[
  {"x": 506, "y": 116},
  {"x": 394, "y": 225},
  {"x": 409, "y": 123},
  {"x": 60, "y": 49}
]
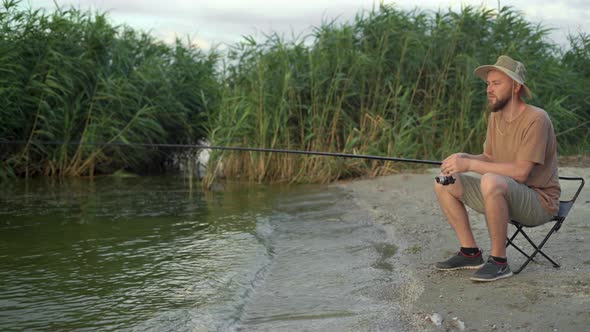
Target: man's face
[{"x": 499, "y": 90}]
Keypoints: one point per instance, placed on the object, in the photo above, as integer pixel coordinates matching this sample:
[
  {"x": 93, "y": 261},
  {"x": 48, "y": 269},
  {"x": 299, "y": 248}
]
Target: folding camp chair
[{"x": 564, "y": 209}]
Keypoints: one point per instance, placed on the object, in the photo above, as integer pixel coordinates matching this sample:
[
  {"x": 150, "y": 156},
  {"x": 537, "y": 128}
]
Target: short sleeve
[{"x": 534, "y": 141}]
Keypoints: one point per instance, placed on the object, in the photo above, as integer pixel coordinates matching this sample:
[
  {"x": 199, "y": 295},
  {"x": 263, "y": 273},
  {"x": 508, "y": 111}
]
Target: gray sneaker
[
  {"x": 491, "y": 271},
  {"x": 461, "y": 261}
]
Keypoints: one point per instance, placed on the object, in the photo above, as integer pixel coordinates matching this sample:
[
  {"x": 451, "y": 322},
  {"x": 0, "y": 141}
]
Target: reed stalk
[
  {"x": 70, "y": 76},
  {"x": 391, "y": 82}
]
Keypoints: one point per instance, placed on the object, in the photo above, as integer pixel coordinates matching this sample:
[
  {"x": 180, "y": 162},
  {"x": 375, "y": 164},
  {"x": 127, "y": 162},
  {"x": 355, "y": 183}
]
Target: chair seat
[{"x": 564, "y": 208}]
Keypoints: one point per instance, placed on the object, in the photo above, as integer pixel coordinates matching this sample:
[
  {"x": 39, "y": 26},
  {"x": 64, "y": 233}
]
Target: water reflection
[
  {"x": 150, "y": 254},
  {"x": 111, "y": 253}
]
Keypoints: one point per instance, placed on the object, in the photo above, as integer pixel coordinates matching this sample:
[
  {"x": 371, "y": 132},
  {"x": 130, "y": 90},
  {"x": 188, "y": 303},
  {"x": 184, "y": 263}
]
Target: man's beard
[{"x": 500, "y": 103}]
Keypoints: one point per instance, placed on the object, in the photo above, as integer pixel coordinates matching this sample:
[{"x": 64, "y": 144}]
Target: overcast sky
[{"x": 224, "y": 22}]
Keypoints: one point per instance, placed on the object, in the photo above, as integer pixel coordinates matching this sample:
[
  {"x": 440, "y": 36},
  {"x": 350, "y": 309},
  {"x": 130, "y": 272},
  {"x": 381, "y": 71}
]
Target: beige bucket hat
[{"x": 508, "y": 66}]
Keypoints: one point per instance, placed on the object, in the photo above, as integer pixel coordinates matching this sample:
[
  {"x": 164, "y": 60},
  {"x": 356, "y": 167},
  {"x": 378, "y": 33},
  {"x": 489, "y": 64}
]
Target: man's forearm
[
  {"x": 519, "y": 171},
  {"x": 480, "y": 157}
]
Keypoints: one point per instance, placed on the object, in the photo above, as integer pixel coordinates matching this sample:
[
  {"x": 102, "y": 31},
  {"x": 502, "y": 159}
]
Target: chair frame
[{"x": 564, "y": 209}]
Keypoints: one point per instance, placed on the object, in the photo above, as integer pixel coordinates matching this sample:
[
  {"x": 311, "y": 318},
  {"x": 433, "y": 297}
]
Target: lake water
[{"x": 150, "y": 254}]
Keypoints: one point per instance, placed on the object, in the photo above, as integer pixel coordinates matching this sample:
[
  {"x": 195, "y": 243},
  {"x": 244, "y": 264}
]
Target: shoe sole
[
  {"x": 468, "y": 267},
  {"x": 492, "y": 279}
]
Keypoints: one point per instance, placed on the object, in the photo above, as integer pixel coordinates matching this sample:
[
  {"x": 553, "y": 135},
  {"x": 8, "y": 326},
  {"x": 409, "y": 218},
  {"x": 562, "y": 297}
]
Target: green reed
[
  {"x": 72, "y": 76},
  {"x": 394, "y": 83},
  {"x": 389, "y": 82}
]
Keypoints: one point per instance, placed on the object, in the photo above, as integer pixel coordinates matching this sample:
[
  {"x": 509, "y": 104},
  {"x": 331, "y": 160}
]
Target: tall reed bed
[
  {"x": 72, "y": 76},
  {"x": 394, "y": 83},
  {"x": 390, "y": 82}
]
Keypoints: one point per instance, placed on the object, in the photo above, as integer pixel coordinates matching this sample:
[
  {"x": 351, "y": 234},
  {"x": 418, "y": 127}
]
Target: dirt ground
[{"x": 541, "y": 298}]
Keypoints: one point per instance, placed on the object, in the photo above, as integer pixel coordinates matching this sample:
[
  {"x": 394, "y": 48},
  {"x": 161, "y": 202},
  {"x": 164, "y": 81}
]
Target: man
[{"x": 518, "y": 168}]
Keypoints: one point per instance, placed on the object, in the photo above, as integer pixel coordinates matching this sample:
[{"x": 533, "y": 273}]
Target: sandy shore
[{"x": 541, "y": 298}]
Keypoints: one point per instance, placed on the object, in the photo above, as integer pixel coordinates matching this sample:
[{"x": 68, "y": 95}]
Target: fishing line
[{"x": 230, "y": 148}]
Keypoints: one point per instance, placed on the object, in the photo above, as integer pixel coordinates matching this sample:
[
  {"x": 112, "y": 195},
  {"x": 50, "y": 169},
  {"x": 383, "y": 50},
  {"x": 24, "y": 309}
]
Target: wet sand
[{"x": 540, "y": 298}]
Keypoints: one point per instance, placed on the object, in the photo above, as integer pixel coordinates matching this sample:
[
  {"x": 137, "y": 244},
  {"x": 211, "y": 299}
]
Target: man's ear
[{"x": 517, "y": 88}]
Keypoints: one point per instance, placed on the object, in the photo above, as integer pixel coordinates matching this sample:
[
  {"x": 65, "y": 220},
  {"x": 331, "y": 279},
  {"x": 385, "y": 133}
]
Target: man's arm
[
  {"x": 462, "y": 162},
  {"x": 518, "y": 170},
  {"x": 480, "y": 157}
]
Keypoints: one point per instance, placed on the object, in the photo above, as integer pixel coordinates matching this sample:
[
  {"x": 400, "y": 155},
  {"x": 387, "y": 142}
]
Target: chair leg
[
  {"x": 510, "y": 241},
  {"x": 537, "y": 248}
]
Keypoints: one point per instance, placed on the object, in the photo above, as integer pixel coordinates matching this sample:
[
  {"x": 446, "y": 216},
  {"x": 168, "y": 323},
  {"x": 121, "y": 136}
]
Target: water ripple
[{"x": 148, "y": 254}]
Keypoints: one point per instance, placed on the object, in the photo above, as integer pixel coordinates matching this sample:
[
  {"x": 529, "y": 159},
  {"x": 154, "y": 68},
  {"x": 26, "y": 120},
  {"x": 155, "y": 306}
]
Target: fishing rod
[{"x": 232, "y": 148}]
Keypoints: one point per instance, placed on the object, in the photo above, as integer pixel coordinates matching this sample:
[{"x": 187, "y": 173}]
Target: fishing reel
[{"x": 444, "y": 179}]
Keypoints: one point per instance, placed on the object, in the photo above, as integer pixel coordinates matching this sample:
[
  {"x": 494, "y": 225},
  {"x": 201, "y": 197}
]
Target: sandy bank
[{"x": 541, "y": 298}]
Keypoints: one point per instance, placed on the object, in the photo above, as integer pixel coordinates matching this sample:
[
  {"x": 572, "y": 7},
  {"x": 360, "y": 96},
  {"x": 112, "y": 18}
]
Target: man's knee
[{"x": 493, "y": 184}]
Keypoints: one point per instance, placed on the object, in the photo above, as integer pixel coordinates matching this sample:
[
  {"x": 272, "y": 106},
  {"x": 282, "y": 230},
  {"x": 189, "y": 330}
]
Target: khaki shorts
[{"x": 523, "y": 203}]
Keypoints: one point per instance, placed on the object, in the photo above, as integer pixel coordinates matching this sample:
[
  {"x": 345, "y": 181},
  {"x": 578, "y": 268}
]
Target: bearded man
[{"x": 518, "y": 176}]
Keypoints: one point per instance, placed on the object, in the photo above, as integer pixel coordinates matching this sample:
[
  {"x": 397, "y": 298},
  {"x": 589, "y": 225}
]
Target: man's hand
[{"x": 456, "y": 163}]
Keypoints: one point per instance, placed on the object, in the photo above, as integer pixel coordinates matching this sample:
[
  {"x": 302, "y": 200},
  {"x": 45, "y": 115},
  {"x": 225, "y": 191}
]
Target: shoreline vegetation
[{"x": 388, "y": 83}]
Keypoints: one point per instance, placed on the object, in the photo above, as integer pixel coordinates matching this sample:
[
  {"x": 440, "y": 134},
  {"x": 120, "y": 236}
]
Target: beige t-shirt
[{"x": 528, "y": 137}]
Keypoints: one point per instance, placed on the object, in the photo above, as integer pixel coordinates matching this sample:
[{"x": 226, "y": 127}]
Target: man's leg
[
  {"x": 469, "y": 257},
  {"x": 494, "y": 189},
  {"x": 454, "y": 210}
]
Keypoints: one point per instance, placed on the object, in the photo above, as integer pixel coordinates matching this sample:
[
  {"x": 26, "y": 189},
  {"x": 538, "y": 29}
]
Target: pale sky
[{"x": 224, "y": 22}]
